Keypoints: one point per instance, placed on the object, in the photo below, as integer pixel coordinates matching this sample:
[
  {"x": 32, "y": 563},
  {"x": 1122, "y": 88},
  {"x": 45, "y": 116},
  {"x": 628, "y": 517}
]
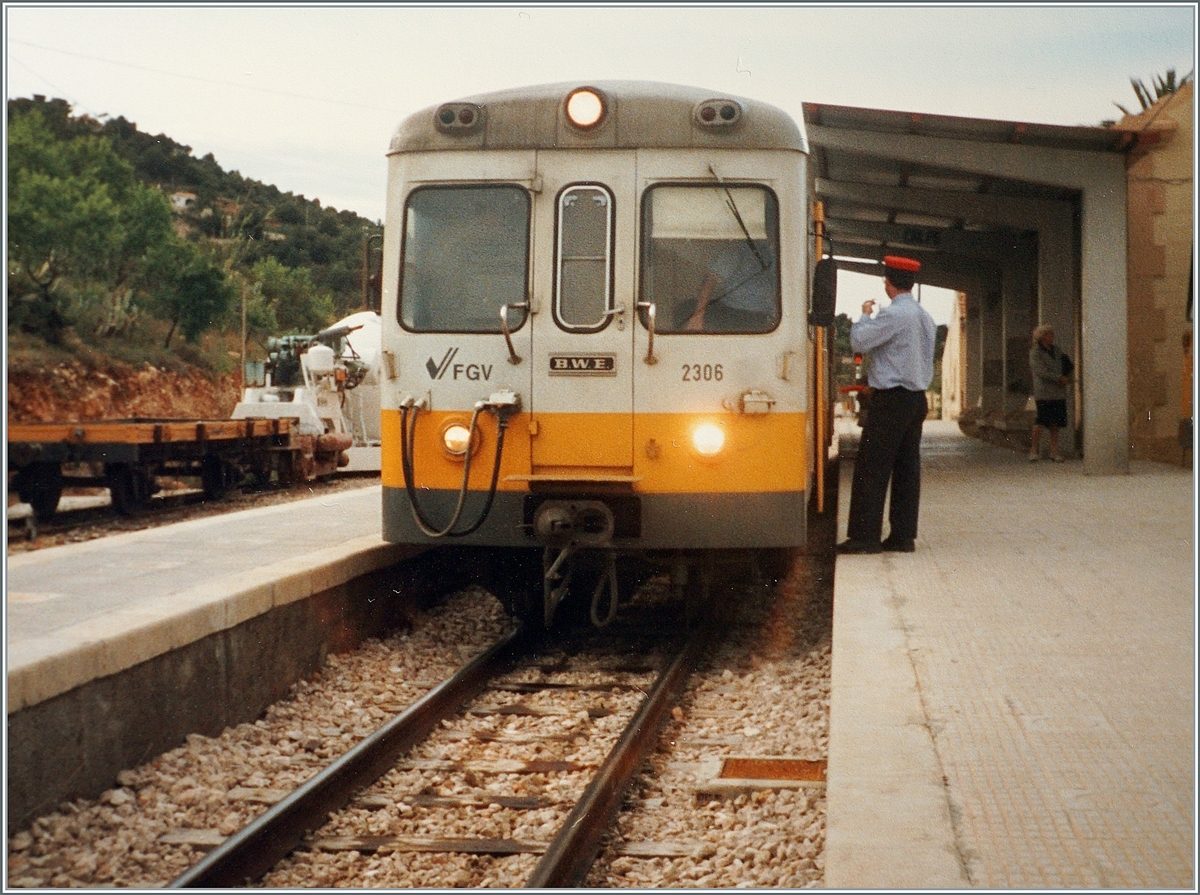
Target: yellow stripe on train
[{"x": 650, "y": 453}]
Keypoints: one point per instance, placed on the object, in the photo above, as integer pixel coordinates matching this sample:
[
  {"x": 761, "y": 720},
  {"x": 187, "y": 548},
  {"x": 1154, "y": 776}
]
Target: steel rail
[
  {"x": 265, "y": 841},
  {"x": 570, "y": 856}
]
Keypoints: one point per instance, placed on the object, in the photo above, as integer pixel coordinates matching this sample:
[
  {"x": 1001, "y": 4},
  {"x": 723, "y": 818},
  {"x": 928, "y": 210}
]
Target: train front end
[{"x": 596, "y": 335}]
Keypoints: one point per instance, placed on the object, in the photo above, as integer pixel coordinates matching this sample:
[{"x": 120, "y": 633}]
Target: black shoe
[
  {"x": 852, "y": 546},
  {"x": 898, "y": 546}
]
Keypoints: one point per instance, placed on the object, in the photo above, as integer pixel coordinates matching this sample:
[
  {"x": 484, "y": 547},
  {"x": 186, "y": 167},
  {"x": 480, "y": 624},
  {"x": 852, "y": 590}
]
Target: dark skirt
[{"x": 1052, "y": 414}]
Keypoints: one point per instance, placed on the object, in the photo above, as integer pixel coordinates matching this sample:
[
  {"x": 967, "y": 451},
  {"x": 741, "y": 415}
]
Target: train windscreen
[
  {"x": 710, "y": 258},
  {"x": 465, "y": 254}
]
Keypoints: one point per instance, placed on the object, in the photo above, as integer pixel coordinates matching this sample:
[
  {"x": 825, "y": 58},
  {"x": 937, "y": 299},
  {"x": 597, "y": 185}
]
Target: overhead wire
[{"x": 201, "y": 79}]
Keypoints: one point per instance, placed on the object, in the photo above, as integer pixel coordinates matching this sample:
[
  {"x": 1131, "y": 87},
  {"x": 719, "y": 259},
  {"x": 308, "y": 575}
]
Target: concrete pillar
[
  {"x": 1103, "y": 367},
  {"x": 1019, "y": 309},
  {"x": 1058, "y": 302},
  {"x": 1099, "y": 178},
  {"x": 991, "y": 349},
  {"x": 974, "y": 343}
]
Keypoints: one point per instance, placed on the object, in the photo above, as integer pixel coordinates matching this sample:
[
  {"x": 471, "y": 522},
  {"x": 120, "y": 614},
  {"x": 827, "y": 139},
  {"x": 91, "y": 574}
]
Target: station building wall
[{"x": 1160, "y": 221}]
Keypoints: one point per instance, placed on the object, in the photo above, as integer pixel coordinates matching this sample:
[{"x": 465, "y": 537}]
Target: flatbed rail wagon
[{"x": 127, "y": 455}]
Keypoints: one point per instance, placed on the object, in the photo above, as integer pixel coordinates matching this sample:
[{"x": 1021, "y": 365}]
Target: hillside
[
  {"x": 132, "y": 265},
  {"x": 211, "y": 203}
]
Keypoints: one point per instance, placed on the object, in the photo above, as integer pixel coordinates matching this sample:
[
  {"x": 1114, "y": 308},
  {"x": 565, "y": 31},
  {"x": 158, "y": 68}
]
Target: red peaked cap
[{"x": 896, "y": 262}]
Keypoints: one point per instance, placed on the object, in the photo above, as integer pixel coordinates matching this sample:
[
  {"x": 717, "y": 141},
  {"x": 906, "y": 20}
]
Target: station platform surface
[
  {"x": 78, "y": 612},
  {"x": 1013, "y": 705}
]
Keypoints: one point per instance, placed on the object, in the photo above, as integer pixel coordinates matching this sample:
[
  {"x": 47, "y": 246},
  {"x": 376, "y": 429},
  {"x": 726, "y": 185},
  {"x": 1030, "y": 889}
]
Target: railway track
[
  {"x": 95, "y": 511},
  {"x": 95, "y": 519},
  {"x": 399, "y": 769},
  {"x": 491, "y": 781}
]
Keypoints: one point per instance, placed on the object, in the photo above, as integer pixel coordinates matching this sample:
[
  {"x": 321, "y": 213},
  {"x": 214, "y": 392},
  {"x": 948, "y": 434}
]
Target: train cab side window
[
  {"x": 710, "y": 258},
  {"x": 583, "y": 275},
  {"x": 465, "y": 254}
]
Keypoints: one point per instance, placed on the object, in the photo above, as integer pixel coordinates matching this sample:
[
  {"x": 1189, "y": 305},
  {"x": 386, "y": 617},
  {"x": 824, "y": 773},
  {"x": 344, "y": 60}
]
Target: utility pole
[
  {"x": 366, "y": 242},
  {"x": 242, "y": 374}
]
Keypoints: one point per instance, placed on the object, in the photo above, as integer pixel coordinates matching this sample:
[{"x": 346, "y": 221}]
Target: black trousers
[{"x": 890, "y": 451}]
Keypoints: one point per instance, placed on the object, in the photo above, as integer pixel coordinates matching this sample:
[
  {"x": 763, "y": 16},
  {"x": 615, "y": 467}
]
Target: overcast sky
[{"x": 306, "y": 97}]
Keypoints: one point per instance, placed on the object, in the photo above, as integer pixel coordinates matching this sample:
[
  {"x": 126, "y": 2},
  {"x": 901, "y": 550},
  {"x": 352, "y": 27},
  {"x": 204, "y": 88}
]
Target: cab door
[{"x": 582, "y": 354}]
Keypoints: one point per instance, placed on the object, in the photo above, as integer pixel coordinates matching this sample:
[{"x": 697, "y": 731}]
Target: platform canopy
[{"x": 1029, "y": 220}]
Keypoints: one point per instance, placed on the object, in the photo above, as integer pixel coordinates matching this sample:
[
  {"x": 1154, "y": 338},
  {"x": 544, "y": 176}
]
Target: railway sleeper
[{"x": 497, "y": 847}]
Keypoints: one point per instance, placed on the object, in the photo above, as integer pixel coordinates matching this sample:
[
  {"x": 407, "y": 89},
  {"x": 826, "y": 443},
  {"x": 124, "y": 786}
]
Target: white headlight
[
  {"x": 708, "y": 439},
  {"x": 456, "y": 437},
  {"x": 585, "y": 108}
]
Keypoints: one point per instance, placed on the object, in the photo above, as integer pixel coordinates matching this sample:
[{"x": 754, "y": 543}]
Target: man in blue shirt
[{"x": 899, "y": 340}]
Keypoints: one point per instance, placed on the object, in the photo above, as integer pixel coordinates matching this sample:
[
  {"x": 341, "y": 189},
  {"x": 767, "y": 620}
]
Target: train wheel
[
  {"x": 772, "y": 565},
  {"x": 694, "y": 579},
  {"x": 294, "y": 468},
  {"x": 259, "y": 473},
  {"x": 515, "y": 577},
  {"x": 130, "y": 487},
  {"x": 40, "y": 486}
]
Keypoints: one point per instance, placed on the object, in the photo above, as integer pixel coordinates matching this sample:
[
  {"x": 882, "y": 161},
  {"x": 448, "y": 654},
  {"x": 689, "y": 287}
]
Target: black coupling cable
[
  {"x": 407, "y": 450},
  {"x": 502, "y": 422}
]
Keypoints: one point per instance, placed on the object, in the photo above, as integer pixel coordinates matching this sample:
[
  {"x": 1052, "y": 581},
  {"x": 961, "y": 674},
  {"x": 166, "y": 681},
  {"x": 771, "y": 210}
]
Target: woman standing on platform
[{"x": 1051, "y": 372}]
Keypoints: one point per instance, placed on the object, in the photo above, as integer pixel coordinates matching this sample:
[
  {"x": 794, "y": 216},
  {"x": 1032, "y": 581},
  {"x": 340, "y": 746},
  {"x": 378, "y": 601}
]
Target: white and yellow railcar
[{"x": 596, "y": 328}]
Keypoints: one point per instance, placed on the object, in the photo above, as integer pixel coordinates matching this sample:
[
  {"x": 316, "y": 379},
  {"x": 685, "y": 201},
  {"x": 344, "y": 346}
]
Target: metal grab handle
[
  {"x": 513, "y": 357},
  {"x": 651, "y": 315}
]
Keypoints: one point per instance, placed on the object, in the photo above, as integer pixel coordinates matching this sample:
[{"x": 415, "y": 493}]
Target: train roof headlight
[
  {"x": 708, "y": 439},
  {"x": 459, "y": 119},
  {"x": 718, "y": 113},
  {"x": 585, "y": 108},
  {"x": 456, "y": 437}
]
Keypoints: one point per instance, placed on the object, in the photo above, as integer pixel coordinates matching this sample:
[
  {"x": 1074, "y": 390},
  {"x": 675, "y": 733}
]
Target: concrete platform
[
  {"x": 118, "y": 648},
  {"x": 100, "y": 606},
  {"x": 366, "y": 459},
  {"x": 1013, "y": 705}
]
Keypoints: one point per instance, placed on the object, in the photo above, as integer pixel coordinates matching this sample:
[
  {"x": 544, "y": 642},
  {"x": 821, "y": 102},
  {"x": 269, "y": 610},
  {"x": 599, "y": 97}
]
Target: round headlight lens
[
  {"x": 585, "y": 108},
  {"x": 456, "y": 438},
  {"x": 708, "y": 439}
]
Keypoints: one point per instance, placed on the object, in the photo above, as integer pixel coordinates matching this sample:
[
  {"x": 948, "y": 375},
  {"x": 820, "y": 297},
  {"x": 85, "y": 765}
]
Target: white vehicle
[
  {"x": 306, "y": 379},
  {"x": 360, "y": 405}
]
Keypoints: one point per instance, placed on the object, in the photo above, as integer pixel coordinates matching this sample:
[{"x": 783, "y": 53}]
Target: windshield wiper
[{"x": 738, "y": 217}]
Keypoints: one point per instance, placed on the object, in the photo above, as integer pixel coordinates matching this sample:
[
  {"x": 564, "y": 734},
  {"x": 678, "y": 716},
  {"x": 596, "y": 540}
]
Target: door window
[{"x": 583, "y": 275}]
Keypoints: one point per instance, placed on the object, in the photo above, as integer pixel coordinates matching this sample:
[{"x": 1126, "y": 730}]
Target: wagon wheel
[
  {"x": 215, "y": 476},
  {"x": 40, "y": 486},
  {"x": 129, "y": 486},
  {"x": 295, "y": 468}
]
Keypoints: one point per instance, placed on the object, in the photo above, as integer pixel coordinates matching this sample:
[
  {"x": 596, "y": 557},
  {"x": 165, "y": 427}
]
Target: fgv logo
[{"x": 457, "y": 371}]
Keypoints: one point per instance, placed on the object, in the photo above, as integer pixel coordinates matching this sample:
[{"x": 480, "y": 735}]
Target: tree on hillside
[
  {"x": 76, "y": 215},
  {"x": 187, "y": 289},
  {"x": 290, "y": 301},
  {"x": 94, "y": 244}
]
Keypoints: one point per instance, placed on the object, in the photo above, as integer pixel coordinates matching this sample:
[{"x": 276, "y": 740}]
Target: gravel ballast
[{"x": 764, "y": 692}]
